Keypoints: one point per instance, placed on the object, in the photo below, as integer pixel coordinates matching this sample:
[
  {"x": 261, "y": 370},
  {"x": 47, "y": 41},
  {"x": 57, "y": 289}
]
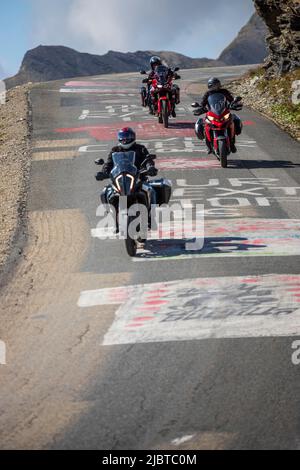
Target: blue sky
[
  {"x": 16, "y": 18},
  {"x": 198, "y": 28}
]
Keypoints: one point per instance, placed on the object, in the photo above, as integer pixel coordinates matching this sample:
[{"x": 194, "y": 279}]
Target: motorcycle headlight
[
  {"x": 210, "y": 118},
  {"x": 227, "y": 116},
  {"x": 159, "y": 86},
  {"x": 122, "y": 182}
]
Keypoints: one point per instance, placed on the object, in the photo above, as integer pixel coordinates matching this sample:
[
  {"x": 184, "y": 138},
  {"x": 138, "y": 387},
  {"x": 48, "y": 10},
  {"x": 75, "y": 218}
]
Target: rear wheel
[
  {"x": 223, "y": 152},
  {"x": 165, "y": 114}
]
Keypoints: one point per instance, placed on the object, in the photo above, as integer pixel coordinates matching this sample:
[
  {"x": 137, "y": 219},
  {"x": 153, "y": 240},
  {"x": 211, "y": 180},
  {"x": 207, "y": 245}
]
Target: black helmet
[
  {"x": 126, "y": 137},
  {"x": 155, "y": 61},
  {"x": 214, "y": 83}
]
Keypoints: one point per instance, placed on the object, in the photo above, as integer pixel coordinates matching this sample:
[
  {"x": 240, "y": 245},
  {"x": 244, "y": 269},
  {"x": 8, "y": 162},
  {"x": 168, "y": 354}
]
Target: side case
[{"x": 163, "y": 189}]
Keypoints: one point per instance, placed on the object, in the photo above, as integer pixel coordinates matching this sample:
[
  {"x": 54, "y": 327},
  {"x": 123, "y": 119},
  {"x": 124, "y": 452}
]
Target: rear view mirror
[
  {"x": 176, "y": 69},
  {"x": 99, "y": 161},
  {"x": 143, "y": 72},
  {"x": 153, "y": 157},
  {"x": 195, "y": 105}
]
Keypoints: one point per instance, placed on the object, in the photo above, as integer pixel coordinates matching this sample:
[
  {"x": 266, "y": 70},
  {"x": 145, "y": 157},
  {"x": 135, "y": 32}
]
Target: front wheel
[
  {"x": 165, "y": 114},
  {"x": 143, "y": 97},
  {"x": 130, "y": 243},
  {"x": 160, "y": 116},
  {"x": 223, "y": 152}
]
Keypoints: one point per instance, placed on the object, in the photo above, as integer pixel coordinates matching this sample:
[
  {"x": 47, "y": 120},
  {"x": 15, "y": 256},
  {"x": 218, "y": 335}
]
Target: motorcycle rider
[
  {"x": 155, "y": 61},
  {"x": 214, "y": 86},
  {"x": 127, "y": 143}
]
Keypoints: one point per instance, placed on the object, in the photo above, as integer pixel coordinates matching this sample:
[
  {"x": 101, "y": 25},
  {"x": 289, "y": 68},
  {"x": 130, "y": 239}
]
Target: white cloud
[
  {"x": 2, "y": 73},
  {"x": 198, "y": 27}
]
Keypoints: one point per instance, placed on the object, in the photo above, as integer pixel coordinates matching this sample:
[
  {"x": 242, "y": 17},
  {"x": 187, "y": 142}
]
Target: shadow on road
[
  {"x": 181, "y": 125},
  {"x": 176, "y": 247},
  {"x": 252, "y": 164}
]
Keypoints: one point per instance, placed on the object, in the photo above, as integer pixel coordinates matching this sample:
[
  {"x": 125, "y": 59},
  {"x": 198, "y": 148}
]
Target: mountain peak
[{"x": 249, "y": 47}]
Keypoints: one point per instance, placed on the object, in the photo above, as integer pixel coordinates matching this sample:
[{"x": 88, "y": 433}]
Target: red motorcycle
[
  {"x": 163, "y": 95},
  {"x": 219, "y": 126}
]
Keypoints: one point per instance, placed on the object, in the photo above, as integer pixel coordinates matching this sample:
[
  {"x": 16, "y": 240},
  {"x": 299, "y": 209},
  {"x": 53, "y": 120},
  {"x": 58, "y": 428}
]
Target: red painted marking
[
  {"x": 141, "y": 319},
  {"x": 249, "y": 123},
  {"x": 256, "y": 242},
  {"x": 143, "y": 129},
  {"x": 156, "y": 302},
  {"x": 94, "y": 83},
  {"x": 250, "y": 281},
  {"x": 186, "y": 163}
]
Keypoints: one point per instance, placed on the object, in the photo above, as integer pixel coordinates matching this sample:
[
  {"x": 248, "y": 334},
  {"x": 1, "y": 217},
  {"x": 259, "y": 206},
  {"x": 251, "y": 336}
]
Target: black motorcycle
[{"x": 136, "y": 188}]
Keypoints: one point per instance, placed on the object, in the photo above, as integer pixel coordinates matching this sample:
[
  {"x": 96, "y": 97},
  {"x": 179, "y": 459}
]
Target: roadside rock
[{"x": 282, "y": 18}]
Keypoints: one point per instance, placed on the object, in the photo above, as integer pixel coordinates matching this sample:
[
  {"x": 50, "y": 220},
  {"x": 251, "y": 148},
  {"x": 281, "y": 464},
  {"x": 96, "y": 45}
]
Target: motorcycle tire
[
  {"x": 165, "y": 114},
  {"x": 130, "y": 244},
  {"x": 160, "y": 119},
  {"x": 223, "y": 152}
]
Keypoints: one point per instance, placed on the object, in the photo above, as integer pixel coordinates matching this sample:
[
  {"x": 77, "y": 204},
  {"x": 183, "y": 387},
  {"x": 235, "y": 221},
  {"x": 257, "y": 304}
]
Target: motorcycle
[
  {"x": 216, "y": 126},
  {"x": 161, "y": 94},
  {"x": 133, "y": 184}
]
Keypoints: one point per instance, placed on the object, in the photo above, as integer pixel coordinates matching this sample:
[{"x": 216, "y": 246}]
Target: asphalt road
[{"x": 174, "y": 349}]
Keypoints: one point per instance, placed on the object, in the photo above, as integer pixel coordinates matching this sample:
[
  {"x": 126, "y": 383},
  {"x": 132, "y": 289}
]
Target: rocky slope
[
  {"x": 282, "y": 18},
  {"x": 249, "y": 47},
  {"x": 272, "y": 96}
]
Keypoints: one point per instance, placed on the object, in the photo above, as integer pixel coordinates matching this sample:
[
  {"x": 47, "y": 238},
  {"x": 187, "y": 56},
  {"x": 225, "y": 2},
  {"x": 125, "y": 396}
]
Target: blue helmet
[{"x": 126, "y": 137}]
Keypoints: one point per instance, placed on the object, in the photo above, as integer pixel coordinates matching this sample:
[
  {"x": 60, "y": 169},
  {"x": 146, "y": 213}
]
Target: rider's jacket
[
  {"x": 141, "y": 153},
  {"x": 223, "y": 91}
]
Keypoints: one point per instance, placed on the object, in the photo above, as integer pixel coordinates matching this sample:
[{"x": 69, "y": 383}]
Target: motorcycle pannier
[{"x": 163, "y": 189}]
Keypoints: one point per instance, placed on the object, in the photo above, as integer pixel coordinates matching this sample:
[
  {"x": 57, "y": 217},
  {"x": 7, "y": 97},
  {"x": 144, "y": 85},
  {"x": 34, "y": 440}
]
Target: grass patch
[
  {"x": 279, "y": 88},
  {"x": 287, "y": 112},
  {"x": 258, "y": 72}
]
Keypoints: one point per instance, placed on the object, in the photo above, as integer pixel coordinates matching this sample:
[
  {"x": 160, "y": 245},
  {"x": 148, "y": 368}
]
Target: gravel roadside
[{"x": 15, "y": 160}]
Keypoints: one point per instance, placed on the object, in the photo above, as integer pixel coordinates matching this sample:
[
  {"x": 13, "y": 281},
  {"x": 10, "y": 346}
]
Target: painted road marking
[
  {"x": 144, "y": 129},
  {"x": 45, "y": 144},
  {"x": 194, "y": 309},
  {"x": 223, "y": 238},
  {"x": 175, "y": 164},
  {"x": 97, "y": 91},
  {"x": 54, "y": 155},
  {"x": 264, "y": 194}
]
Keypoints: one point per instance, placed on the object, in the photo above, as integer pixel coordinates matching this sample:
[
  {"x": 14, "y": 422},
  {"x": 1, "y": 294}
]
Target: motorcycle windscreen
[
  {"x": 124, "y": 162},
  {"x": 124, "y": 171},
  {"x": 162, "y": 74},
  {"x": 217, "y": 103}
]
